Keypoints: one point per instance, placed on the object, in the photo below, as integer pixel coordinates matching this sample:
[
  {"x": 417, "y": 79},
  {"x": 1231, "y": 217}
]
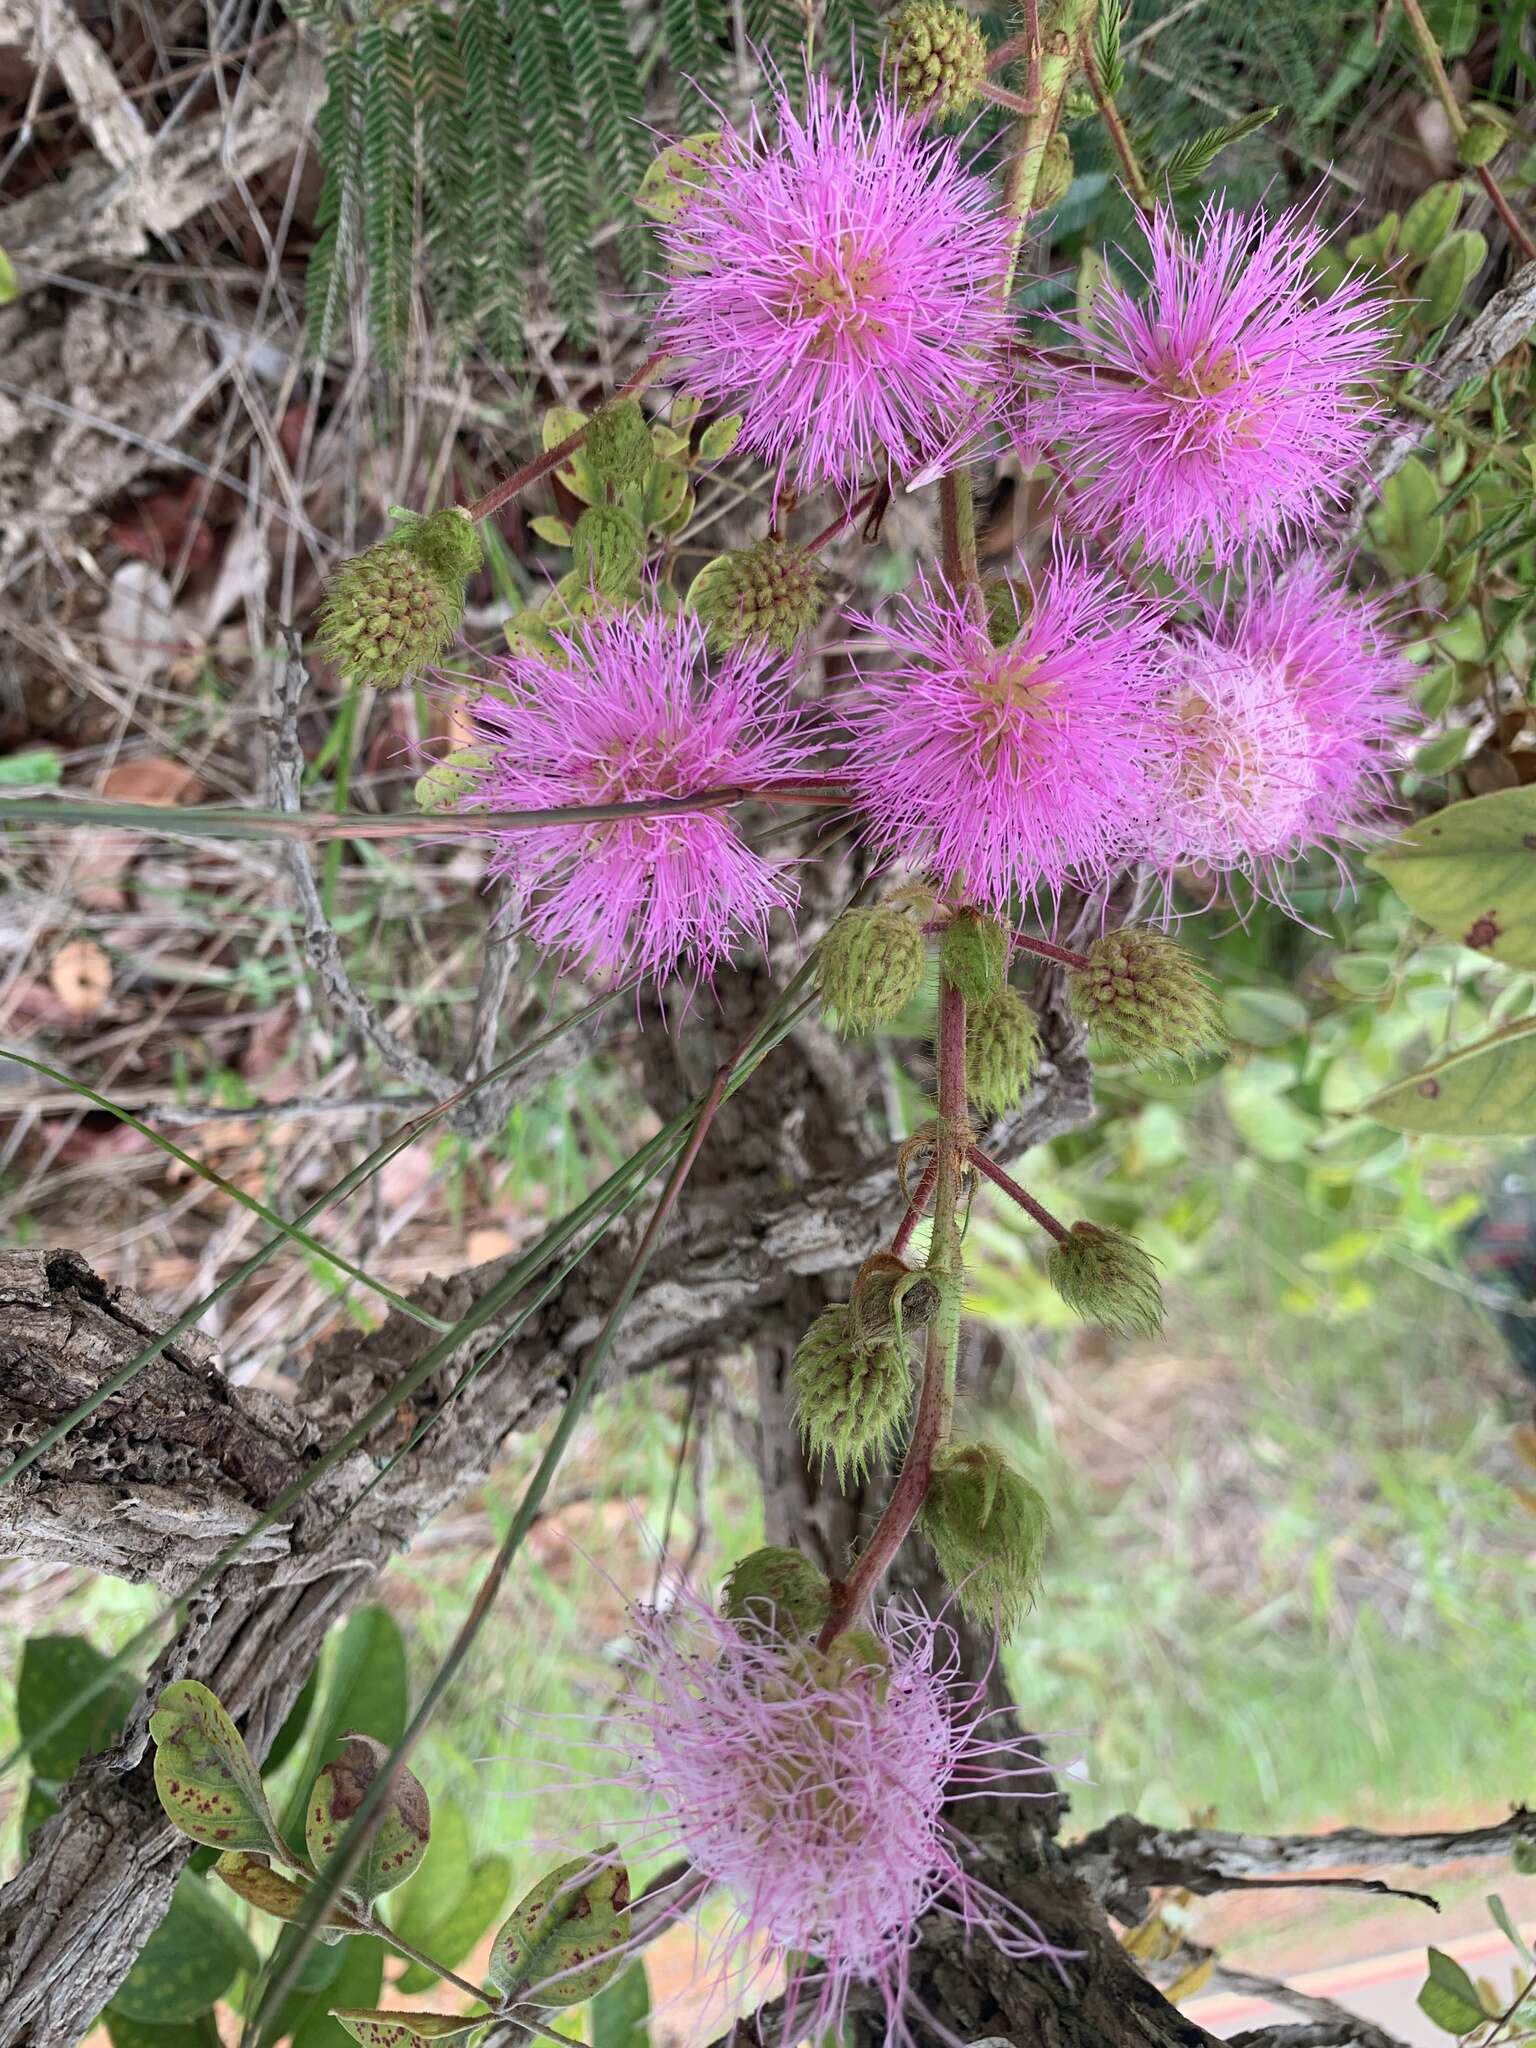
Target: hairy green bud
[
  {"x": 973, "y": 954},
  {"x": 1481, "y": 143},
  {"x": 769, "y": 593},
  {"x": 987, "y": 1527},
  {"x": 1002, "y": 1050},
  {"x": 1106, "y": 1278},
  {"x": 448, "y": 780},
  {"x": 850, "y": 1397},
  {"x": 776, "y": 1594},
  {"x": 395, "y": 609},
  {"x": 1147, "y": 998},
  {"x": 619, "y": 448},
  {"x": 1005, "y": 599},
  {"x": 872, "y": 964},
  {"x": 940, "y": 56},
  {"x": 607, "y": 548}
]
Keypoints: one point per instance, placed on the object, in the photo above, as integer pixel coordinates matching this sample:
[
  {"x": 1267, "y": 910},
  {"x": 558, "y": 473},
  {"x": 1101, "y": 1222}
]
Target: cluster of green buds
[
  {"x": 394, "y": 610},
  {"x": 767, "y": 595},
  {"x": 939, "y": 55},
  {"x": 987, "y": 1528},
  {"x": 1146, "y": 998}
]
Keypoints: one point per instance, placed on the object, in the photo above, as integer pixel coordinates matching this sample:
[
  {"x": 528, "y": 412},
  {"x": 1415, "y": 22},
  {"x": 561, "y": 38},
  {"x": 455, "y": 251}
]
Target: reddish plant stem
[
  {"x": 1011, "y": 1188},
  {"x": 936, "y": 1401},
  {"x": 1025, "y": 45},
  {"x": 915, "y": 1209},
  {"x": 1048, "y": 950},
  {"x": 520, "y": 479},
  {"x": 1119, "y": 135},
  {"x": 844, "y": 518},
  {"x": 1439, "y": 78}
]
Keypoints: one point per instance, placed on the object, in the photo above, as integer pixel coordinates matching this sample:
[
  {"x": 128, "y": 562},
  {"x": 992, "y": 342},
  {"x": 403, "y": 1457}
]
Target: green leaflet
[
  {"x": 1470, "y": 871},
  {"x": 1486, "y": 1090}
]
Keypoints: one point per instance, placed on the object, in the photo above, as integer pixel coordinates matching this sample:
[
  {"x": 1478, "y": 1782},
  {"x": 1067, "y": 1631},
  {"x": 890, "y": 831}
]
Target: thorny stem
[
  {"x": 552, "y": 458},
  {"x": 915, "y": 1211},
  {"x": 1119, "y": 135},
  {"x": 1049, "y": 950},
  {"x": 1445, "y": 92},
  {"x": 936, "y": 1402},
  {"x": 983, "y": 1163}
]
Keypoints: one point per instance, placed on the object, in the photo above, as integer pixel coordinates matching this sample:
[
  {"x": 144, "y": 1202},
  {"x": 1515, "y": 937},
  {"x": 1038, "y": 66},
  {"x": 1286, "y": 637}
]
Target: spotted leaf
[
  {"x": 567, "y": 1937},
  {"x": 206, "y": 1777},
  {"x": 398, "y": 1832}
]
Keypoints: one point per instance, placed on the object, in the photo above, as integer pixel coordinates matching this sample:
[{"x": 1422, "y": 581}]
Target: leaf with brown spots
[
  {"x": 1484, "y": 1090},
  {"x": 377, "y": 2029},
  {"x": 568, "y": 1937},
  {"x": 253, "y": 1879},
  {"x": 398, "y": 1832},
  {"x": 1470, "y": 871},
  {"x": 206, "y": 1777}
]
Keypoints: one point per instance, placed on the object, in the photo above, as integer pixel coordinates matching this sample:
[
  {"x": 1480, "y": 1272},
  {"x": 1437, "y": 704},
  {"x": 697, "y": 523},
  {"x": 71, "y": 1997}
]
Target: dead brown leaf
[{"x": 81, "y": 978}]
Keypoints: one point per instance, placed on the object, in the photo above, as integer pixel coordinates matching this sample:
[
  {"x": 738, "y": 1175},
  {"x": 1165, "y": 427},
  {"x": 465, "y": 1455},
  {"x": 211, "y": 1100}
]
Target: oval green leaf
[
  {"x": 398, "y": 1831},
  {"x": 1486, "y": 1090},
  {"x": 1450, "y": 1997},
  {"x": 206, "y": 1777},
  {"x": 1470, "y": 871},
  {"x": 54, "y": 1671},
  {"x": 376, "y": 2029},
  {"x": 190, "y": 1960},
  {"x": 566, "y": 1939}
]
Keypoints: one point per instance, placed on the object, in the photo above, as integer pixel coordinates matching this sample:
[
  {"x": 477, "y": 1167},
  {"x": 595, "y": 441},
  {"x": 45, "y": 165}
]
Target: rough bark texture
[{"x": 795, "y": 1187}]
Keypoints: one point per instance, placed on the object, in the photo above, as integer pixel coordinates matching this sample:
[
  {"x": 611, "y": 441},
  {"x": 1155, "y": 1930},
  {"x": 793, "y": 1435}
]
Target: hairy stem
[
  {"x": 916, "y": 1209},
  {"x": 1047, "y": 949},
  {"x": 1060, "y": 44},
  {"x": 1445, "y": 92},
  {"x": 936, "y": 1402},
  {"x": 1010, "y": 1187},
  {"x": 846, "y": 517},
  {"x": 520, "y": 479},
  {"x": 957, "y": 525}
]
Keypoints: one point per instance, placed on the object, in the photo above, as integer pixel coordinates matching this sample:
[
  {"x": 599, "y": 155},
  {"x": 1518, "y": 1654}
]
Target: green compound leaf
[
  {"x": 1192, "y": 159},
  {"x": 376, "y": 2029},
  {"x": 565, "y": 1939},
  {"x": 1449, "y": 1997},
  {"x": 399, "y": 1832},
  {"x": 206, "y": 1778},
  {"x": 1470, "y": 871},
  {"x": 1486, "y": 1090}
]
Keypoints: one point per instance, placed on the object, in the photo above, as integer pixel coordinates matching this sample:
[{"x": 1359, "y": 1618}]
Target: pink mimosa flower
[
  {"x": 841, "y": 285},
  {"x": 625, "y": 713},
  {"x": 1227, "y": 405},
  {"x": 1014, "y": 769}
]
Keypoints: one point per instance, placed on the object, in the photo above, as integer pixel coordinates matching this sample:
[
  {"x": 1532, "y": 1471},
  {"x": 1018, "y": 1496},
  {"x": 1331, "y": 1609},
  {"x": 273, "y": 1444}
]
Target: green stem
[
  {"x": 935, "y": 1407},
  {"x": 957, "y": 527},
  {"x": 1061, "y": 50}
]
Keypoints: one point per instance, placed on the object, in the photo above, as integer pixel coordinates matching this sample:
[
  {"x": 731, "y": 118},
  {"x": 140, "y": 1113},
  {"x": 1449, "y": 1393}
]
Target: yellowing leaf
[
  {"x": 1485, "y": 1090},
  {"x": 376, "y": 2029},
  {"x": 567, "y": 1937},
  {"x": 399, "y": 1831},
  {"x": 252, "y": 1878},
  {"x": 206, "y": 1777},
  {"x": 1470, "y": 871},
  {"x": 1194, "y": 1979}
]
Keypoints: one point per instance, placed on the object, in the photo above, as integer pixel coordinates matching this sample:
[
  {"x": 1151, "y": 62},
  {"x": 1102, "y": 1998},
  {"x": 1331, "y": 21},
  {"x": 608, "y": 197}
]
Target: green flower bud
[
  {"x": 872, "y": 965},
  {"x": 1005, "y": 600},
  {"x": 769, "y": 593},
  {"x": 1106, "y": 1278},
  {"x": 447, "y": 781},
  {"x": 987, "y": 1527},
  {"x": 850, "y": 1397},
  {"x": 1002, "y": 1050},
  {"x": 619, "y": 448},
  {"x": 1481, "y": 143},
  {"x": 776, "y": 1594},
  {"x": 973, "y": 954},
  {"x": 1146, "y": 998},
  {"x": 607, "y": 548},
  {"x": 940, "y": 56},
  {"x": 889, "y": 1298},
  {"x": 395, "y": 609},
  {"x": 1055, "y": 174}
]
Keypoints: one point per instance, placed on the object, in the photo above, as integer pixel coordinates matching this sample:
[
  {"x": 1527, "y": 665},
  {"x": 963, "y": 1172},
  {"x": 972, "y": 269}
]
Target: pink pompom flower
[
  {"x": 840, "y": 285},
  {"x": 813, "y": 1790},
  {"x": 1012, "y": 769},
  {"x": 623, "y": 713},
  {"x": 1225, "y": 407},
  {"x": 1283, "y": 713}
]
